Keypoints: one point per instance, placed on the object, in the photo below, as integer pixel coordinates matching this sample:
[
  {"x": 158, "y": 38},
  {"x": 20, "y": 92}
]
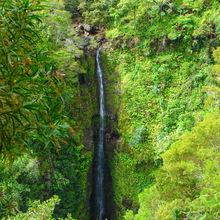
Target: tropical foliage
[
  {"x": 166, "y": 83},
  {"x": 41, "y": 142},
  {"x": 162, "y": 71}
]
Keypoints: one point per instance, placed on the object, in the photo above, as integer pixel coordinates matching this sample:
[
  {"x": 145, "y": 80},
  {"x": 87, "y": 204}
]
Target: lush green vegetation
[
  {"x": 166, "y": 84},
  {"x": 188, "y": 181},
  {"x": 42, "y": 152},
  {"x": 162, "y": 70}
]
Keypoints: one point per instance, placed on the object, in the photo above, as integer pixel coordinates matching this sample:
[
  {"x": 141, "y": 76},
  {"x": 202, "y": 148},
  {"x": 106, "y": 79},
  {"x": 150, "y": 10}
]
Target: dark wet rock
[
  {"x": 81, "y": 77},
  {"x": 81, "y": 27},
  {"x": 86, "y": 40},
  {"x": 127, "y": 203},
  {"x": 87, "y": 27},
  {"x": 79, "y": 30},
  {"x": 90, "y": 29},
  {"x": 101, "y": 40},
  {"x": 111, "y": 116}
]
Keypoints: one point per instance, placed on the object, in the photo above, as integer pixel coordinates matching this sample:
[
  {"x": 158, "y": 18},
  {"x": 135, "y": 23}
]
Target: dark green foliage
[
  {"x": 97, "y": 12},
  {"x": 20, "y": 102},
  {"x": 41, "y": 139},
  {"x": 72, "y": 7}
]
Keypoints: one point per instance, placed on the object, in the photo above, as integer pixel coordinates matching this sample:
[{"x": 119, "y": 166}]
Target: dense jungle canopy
[{"x": 161, "y": 64}]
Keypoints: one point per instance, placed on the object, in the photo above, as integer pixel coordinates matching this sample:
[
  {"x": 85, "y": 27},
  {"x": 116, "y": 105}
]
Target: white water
[{"x": 99, "y": 188}]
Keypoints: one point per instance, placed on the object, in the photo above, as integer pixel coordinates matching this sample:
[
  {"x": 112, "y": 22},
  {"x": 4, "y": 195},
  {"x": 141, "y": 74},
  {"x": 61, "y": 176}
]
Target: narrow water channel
[{"x": 98, "y": 174}]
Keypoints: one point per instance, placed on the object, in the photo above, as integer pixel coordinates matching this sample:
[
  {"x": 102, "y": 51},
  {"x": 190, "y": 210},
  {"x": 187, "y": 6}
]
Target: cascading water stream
[{"x": 99, "y": 169}]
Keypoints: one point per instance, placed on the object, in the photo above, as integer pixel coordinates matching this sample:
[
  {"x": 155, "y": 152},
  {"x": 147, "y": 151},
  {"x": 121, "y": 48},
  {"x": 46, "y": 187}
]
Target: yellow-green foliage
[
  {"x": 189, "y": 178},
  {"x": 56, "y": 4},
  {"x": 185, "y": 163},
  {"x": 214, "y": 91},
  {"x": 39, "y": 210},
  {"x": 216, "y": 67},
  {"x": 159, "y": 98}
]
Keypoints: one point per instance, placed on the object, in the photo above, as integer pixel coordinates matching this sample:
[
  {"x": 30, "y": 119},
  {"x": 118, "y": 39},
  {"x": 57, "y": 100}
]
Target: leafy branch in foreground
[{"x": 30, "y": 88}]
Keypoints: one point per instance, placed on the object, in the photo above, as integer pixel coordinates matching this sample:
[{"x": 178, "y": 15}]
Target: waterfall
[{"x": 99, "y": 178}]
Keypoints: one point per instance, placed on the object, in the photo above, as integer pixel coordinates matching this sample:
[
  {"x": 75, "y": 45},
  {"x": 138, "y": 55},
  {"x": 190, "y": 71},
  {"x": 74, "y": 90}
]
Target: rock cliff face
[
  {"x": 86, "y": 109},
  {"x": 112, "y": 137},
  {"x": 91, "y": 38}
]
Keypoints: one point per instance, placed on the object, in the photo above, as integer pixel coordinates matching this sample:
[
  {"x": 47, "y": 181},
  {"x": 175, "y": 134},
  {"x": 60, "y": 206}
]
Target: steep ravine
[
  {"x": 89, "y": 120},
  {"x": 90, "y": 117},
  {"x": 88, "y": 103},
  {"x": 98, "y": 120},
  {"x": 112, "y": 137}
]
